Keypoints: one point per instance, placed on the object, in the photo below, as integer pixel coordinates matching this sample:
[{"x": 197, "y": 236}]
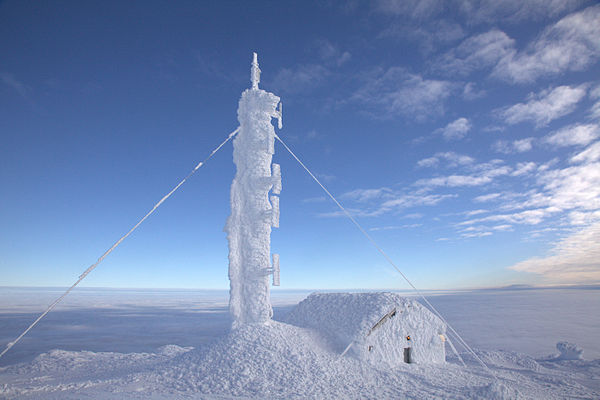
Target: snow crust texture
[
  {"x": 378, "y": 327},
  {"x": 281, "y": 361},
  {"x": 252, "y": 212}
]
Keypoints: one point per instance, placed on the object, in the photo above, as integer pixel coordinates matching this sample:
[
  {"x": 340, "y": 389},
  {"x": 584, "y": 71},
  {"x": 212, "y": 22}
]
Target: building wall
[{"x": 386, "y": 344}]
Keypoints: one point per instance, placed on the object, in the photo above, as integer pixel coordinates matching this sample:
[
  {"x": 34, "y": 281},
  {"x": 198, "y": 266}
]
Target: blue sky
[{"x": 463, "y": 135}]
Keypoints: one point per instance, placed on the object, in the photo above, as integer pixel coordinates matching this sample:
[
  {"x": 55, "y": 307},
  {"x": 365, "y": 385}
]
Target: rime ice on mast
[
  {"x": 254, "y": 206},
  {"x": 255, "y": 72}
]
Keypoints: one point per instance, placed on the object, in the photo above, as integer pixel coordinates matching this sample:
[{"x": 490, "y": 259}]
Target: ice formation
[
  {"x": 569, "y": 351},
  {"x": 374, "y": 327},
  {"x": 253, "y": 211}
]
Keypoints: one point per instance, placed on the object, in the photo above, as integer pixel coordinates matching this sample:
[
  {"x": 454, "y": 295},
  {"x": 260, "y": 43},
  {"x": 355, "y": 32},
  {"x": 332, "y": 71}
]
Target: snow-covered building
[{"x": 381, "y": 328}]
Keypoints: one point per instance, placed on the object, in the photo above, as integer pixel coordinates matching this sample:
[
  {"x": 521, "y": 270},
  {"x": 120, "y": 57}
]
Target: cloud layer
[
  {"x": 574, "y": 259},
  {"x": 545, "y": 106},
  {"x": 395, "y": 91}
]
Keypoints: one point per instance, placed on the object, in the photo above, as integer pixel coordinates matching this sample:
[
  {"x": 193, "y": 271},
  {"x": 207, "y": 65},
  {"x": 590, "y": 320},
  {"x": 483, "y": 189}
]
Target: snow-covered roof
[{"x": 348, "y": 316}]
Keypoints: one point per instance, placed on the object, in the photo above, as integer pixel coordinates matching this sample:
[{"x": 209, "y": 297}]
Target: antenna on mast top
[{"x": 255, "y": 72}]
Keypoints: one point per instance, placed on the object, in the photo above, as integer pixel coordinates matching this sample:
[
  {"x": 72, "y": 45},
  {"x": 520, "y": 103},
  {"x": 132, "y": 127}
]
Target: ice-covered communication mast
[{"x": 254, "y": 206}]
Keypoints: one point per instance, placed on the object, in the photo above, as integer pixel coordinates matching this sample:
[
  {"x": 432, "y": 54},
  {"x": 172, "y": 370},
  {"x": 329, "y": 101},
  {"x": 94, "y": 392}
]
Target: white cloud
[
  {"x": 481, "y": 174},
  {"x": 455, "y": 180},
  {"x": 488, "y": 167},
  {"x": 583, "y": 218},
  {"x": 413, "y": 216},
  {"x": 410, "y": 200},
  {"x": 478, "y": 11},
  {"x": 464, "y": 180},
  {"x": 417, "y": 9},
  {"x": 569, "y": 45},
  {"x": 395, "y": 227},
  {"x": 524, "y": 168},
  {"x": 456, "y": 129},
  {"x": 516, "y": 146},
  {"x": 339, "y": 213},
  {"x": 428, "y": 162},
  {"x": 427, "y": 35},
  {"x": 477, "y": 52},
  {"x": 483, "y": 230},
  {"x": 589, "y": 155},
  {"x": 10, "y": 81},
  {"x": 523, "y": 145},
  {"x": 545, "y": 106},
  {"x": 451, "y": 157},
  {"x": 503, "y": 146},
  {"x": 470, "y": 92},
  {"x": 548, "y": 164},
  {"x": 467, "y": 235},
  {"x": 326, "y": 177},
  {"x": 475, "y": 212},
  {"x": 380, "y": 201},
  {"x": 574, "y": 135},
  {"x": 491, "y": 11},
  {"x": 486, "y": 197},
  {"x": 573, "y": 187},
  {"x": 571, "y": 194},
  {"x": 331, "y": 54},
  {"x": 300, "y": 79},
  {"x": 528, "y": 217},
  {"x": 397, "y": 92},
  {"x": 306, "y": 77},
  {"x": 366, "y": 195},
  {"x": 574, "y": 194},
  {"x": 595, "y": 111},
  {"x": 319, "y": 199},
  {"x": 574, "y": 259}
]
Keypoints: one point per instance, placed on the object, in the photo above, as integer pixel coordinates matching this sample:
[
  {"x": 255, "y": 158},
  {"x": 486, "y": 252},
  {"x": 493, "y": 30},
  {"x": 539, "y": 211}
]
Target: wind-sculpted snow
[
  {"x": 569, "y": 351},
  {"x": 275, "y": 360},
  {"x": 280, "y": 361}
]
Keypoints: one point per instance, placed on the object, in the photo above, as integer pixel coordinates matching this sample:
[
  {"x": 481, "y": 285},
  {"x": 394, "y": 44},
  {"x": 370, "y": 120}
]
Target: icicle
[
  {"x": 276, "y": 177},
  {"x": 271, "y": 145},
  {"x": 279, "y": 116},
  {"x": 276, "y": 281},
  {"x": 275, "y": 212}
]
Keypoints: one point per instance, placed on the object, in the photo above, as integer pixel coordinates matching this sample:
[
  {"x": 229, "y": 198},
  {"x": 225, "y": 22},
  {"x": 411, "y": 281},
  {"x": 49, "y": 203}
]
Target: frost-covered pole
[{"x": 253, "y": 211}]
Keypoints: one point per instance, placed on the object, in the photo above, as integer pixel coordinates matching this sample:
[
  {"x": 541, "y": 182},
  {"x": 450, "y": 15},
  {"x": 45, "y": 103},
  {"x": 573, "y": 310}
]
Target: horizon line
[{"x": 279, "y": 289}]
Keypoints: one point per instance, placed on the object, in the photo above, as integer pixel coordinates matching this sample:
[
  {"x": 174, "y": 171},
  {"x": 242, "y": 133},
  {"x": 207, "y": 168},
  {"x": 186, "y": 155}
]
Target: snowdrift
[{"x": 282, "y": 361}]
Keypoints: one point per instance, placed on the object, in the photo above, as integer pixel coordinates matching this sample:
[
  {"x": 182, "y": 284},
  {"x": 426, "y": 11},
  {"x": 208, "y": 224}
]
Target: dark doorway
[{"x": 407, "y": 355}]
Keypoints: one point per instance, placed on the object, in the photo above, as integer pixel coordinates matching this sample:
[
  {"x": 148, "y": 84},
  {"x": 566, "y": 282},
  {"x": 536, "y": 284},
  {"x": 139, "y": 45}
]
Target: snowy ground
[{"x": 177, "y": 344}]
